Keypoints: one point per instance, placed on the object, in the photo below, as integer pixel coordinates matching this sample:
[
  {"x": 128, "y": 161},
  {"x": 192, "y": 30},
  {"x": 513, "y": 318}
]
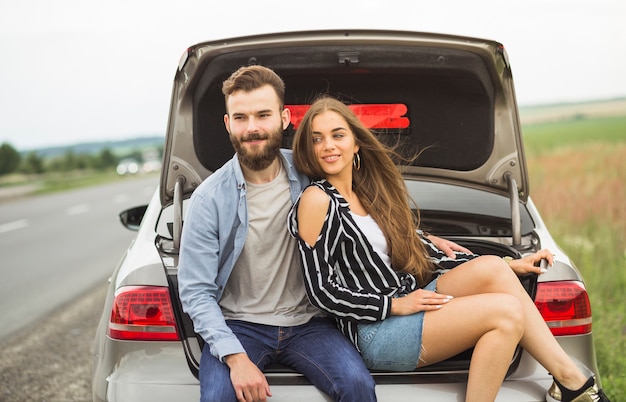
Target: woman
[{"x": 365, "y": 263}]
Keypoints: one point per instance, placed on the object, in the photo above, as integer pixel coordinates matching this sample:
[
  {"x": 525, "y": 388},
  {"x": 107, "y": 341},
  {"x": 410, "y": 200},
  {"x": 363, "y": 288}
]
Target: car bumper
[
  {"x": 147, "y": 390},
  {"x": 159, "y": 372},
  {"x": 139, "y": 371},
  {"x": 162, "y": 374}
]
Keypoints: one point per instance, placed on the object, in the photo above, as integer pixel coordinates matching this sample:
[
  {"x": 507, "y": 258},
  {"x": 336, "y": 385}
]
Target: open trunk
[{"x": 450, "y": 99}]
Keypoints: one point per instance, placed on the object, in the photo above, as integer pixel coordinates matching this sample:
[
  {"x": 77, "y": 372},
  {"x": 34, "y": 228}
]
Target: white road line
[
  {"x": 15, "y": 225},
  {"x": 77, "y": 209}
]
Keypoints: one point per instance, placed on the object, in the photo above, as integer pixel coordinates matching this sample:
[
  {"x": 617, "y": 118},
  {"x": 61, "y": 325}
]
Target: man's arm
[
  {"x": 198, "y": 278},
  {"x": 447, "y": 246}
]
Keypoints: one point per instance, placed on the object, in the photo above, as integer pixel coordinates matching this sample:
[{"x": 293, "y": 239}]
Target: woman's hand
[
  {"x": 418, "y": 300},
  {"x": 530, "y": 263}
]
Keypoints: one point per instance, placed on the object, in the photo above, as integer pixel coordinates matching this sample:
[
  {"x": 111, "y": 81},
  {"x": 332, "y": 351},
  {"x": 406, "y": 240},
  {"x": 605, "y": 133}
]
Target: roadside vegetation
[
  {"x": 36, "y": 174},
  {"x": 577, "y": 174}
]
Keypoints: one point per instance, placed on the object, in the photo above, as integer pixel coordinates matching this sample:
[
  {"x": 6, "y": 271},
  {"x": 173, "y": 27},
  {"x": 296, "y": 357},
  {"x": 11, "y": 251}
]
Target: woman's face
[{"x": 333, "y": 142}]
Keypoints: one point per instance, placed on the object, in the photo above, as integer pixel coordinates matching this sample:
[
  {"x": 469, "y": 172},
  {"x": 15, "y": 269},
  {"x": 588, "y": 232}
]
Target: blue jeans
[{"x": 316, "y": 349}]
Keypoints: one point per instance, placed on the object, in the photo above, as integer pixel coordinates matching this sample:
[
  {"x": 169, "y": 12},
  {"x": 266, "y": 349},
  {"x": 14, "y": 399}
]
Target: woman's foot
[{"x": 589, "y": 392}]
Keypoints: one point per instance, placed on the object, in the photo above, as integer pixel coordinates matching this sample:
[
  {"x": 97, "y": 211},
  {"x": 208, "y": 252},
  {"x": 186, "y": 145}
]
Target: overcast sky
[{"x": 82, "y": 70}]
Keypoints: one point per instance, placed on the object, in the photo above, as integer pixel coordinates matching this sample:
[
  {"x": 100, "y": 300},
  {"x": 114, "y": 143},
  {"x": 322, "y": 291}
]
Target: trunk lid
[
  {"x": 449, "y": 98},
  {"x": 455, "y": 96}
]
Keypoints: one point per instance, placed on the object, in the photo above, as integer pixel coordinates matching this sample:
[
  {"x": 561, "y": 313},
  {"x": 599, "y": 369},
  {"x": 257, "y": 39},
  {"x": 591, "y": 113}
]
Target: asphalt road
[{"x": 58, "y": 251}]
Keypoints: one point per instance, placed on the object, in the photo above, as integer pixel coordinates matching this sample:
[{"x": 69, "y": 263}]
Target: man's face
[{"x": 255, "y": 124}]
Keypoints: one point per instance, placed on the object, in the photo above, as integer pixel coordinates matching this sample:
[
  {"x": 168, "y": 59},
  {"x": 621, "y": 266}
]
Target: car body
[{"x": 449, "y": 98}]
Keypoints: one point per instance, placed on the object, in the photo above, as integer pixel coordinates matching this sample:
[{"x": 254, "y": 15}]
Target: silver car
[{"x": 450, "y": 98}]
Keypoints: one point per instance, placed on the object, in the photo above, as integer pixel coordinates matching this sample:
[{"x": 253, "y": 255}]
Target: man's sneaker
[{"x": 587, "y": 393}]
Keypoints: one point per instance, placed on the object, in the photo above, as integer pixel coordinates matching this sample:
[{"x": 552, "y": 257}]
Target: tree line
[{"x": 12, "y": 161}]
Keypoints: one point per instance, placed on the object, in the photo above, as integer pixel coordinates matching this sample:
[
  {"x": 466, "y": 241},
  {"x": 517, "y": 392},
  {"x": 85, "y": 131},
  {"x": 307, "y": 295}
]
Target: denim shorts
[{"x": 393, "y": 344}]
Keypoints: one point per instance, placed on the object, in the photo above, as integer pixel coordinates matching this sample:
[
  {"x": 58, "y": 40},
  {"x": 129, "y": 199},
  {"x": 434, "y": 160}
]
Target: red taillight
[
  {"x": 142, "y": 313},
  {"x": 565, "y": 307}
]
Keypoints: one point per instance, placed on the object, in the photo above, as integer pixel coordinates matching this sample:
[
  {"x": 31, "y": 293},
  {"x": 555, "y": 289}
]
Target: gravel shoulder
[
  {"x": 51, "y": 360},
  {"x": 12, "y": 192}
]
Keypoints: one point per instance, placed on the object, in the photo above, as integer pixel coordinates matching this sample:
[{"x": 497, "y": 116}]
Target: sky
[{"x": 83, "y": 70}]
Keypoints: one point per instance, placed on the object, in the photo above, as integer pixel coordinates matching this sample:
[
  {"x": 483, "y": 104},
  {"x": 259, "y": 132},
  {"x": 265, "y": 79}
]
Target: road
[
  {"x": 56, "y": 246},
  {"x": 58, "y": 251}
]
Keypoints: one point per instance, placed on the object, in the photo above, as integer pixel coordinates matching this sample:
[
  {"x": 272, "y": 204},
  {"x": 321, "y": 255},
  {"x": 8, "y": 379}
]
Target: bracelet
[{"x": 508, "y": 260}]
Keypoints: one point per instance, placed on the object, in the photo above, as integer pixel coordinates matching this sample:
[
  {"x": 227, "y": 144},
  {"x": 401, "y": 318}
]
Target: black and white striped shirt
[{"x": 343, "y": 274}]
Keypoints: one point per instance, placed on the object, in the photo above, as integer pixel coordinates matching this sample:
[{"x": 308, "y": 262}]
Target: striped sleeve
[{"x": 339, "y": 258}]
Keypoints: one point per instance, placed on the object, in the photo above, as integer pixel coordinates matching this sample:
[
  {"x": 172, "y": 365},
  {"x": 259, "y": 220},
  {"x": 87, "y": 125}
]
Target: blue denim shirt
[{"x": 214, "y": 232}]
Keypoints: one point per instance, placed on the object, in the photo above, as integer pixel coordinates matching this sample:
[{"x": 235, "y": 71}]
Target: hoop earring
[{"x": 356, "y": 161}]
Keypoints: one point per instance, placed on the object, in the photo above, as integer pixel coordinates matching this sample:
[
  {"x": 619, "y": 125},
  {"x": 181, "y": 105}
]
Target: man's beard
[{"x": 259, "y": 157}]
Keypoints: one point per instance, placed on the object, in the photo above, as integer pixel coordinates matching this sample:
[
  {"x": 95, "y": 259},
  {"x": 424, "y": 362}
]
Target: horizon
[{"x": 528, "y": 114}]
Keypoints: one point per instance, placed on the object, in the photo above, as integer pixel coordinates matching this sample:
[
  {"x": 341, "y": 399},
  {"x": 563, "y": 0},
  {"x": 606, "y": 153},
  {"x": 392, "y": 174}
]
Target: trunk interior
[{"x": 284, "y": 375}]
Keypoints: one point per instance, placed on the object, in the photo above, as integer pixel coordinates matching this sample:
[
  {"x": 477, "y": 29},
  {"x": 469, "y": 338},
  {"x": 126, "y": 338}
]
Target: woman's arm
[
  {"x": 316, "y": 224},
  {"x": 311, "y": 213},
  {"x": 531, "y": 263}
]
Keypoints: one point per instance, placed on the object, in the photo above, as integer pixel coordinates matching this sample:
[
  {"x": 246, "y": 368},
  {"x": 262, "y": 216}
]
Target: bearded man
[{"x": 239, "y": 270}]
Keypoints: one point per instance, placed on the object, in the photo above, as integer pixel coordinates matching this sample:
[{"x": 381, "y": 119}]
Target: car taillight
[
  {"x": 142, "y": 313},
  {"x": 565, "y": 307}
]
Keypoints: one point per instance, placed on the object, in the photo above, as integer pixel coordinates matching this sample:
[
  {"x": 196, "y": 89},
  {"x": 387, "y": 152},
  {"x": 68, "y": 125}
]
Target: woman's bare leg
[
  {"x": 490, "y": 274},
  {"x": 491, "y": 323}
]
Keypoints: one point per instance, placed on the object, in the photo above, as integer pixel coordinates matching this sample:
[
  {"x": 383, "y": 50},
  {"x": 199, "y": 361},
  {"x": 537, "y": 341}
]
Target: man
[{"x": 239, "y": 271}]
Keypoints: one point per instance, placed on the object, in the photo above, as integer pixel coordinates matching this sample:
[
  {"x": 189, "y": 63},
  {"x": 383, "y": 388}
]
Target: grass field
[
  {"x": 578, "y": 181},
  {"x": 15, "y": 185}
]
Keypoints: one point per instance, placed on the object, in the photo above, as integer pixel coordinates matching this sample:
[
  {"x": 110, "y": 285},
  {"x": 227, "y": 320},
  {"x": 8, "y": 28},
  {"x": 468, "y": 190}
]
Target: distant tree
[
  {"x": 64, "y": 163},
  {"x": 55, "y": 164},
  {"x": 69, "y": 161},
  {"x": 136, "y": 155},
  {"x": 9, "y": 159},
  {"x": 106, "y": 159},
  {"x": 33, "y": 163}
]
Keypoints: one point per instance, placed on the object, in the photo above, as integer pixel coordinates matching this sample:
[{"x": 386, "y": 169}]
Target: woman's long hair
[{"x": 378, "y": 184}]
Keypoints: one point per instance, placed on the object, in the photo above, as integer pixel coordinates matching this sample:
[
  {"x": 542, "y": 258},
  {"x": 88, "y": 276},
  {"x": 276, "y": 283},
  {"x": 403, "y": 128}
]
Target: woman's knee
[
  {"x": 494, "y": 271},
  {"x": 510, "y": 314}
]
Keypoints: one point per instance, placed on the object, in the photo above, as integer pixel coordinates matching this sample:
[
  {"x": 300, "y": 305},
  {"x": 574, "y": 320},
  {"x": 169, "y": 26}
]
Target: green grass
[
  {"x": 61, "y": 182},
  {"x": 54, "y": 182},
  {"x": 542, "y": 138},
  {"x": 578, "y": 181}
]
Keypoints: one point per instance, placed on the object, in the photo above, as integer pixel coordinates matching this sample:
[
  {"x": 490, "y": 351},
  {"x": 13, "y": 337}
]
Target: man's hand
[
  {"x": 447, "y": 246},
  {"x": 248, "y": 381}
]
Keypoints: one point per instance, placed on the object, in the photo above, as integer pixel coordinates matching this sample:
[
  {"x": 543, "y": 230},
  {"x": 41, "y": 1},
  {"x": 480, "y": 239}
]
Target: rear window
[{"x": 435, "y": 102}]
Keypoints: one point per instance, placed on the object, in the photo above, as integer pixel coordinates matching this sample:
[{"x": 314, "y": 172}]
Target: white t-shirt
[{"x": 374, "y": 235}]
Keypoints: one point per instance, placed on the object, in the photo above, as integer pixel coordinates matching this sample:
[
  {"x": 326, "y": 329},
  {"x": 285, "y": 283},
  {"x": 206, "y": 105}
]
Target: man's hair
[{"x": 249, "y": 78}]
